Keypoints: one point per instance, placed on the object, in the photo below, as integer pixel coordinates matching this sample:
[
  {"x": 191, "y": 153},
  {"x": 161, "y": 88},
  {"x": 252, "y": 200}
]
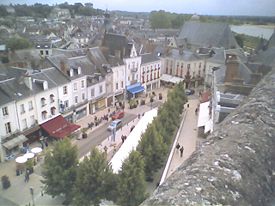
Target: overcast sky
[{"x": 212, "y": 7}]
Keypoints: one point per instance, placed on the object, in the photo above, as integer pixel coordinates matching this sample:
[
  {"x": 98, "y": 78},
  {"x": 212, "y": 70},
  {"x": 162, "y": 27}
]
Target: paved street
[{"x": 19, "y": 192}]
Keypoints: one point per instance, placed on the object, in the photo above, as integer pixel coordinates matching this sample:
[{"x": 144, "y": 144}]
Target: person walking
[
  {"x": 181, "y": 151},
  {"x": 178, "y": 146}
]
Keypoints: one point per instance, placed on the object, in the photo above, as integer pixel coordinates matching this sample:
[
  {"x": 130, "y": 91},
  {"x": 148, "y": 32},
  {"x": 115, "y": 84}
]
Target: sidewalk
[{"x": 187, "y": 137}]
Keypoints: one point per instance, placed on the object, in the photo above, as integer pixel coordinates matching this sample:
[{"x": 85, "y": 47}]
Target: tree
[
  {"x": 240, "y": 39},
  {"x": 152, "y": 149},
  {"x": 59, "y": 170},
  {"x": 132, "y": 185},
  {"x": 93, "y": 180},
  {"x": 18, "y": 43}
]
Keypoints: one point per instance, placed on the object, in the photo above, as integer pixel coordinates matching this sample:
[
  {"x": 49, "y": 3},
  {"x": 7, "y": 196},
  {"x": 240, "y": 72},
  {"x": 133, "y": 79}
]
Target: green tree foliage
[
  {"x": 152, "y": 149},
  {"x": 94, "y": 180},
  {"x": 17, "y": 43},
  {"x": 132, "y": 185},
  {"x": 3, "y": 11},
  {"x": 59, "y": 169},
  {"x": 240, "y": 39},
  {"x": 159, "y": 135},
  {"x": 162, "y": 19}
]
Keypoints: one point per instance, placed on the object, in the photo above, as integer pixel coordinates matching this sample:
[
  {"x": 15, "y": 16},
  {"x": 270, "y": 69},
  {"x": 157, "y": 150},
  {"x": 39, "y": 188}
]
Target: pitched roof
[
  {"x": 185, "y": 56},
  {"x": 266, "y": 57},
  {"x": 271, "y": 41},
  {"x": 147, "y": 58},
  {"x": 208, "y": 34},
  {"x": 117, "y": 42}
]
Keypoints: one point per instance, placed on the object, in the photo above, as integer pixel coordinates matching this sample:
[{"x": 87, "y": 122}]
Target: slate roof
[
  {"x": 266, "y": 57},
  {"x": 271, "y": 41},
  {"x": 208, "y": 34},
  {"x": 14, "y": 88},
  {"x": 186, "y": 56},
  {"x": 87, "y": 67},
  {"x": 117, "y": 42},
  {"x": 147, "y": 58}
]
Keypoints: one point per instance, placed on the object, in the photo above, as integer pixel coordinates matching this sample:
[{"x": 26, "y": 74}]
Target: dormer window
[
  {"x": 79, "y": 70},
  {"x": 52, "y": 98},
  {"x": 43, "y": 101}
]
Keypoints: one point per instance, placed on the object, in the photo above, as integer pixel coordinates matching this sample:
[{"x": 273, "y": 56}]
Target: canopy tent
[
  {"x": 15, "y": 142},
  {"x": 21, "y": 159},
  {"x": 171, "y": 79},
  {"x": 59, "y": 127},
  {"x": 135, "y": 88},
  {"x": 36, "y": 150},
  {"x": 28, "y": 155},
  {"x": 132, "y": 140}
]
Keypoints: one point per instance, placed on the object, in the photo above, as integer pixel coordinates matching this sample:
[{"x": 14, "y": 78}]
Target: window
[
  {"x": 41, "y": 52},
  {"x": 82, "y": 84},
  {"x": 47, "y": 52},
  {"x": 5, "y": 111},
  {"x": 200, "y": 65},
  {"x": 30, "y": 105},
  {"x": 65, "y": 90},
  {"x": 32, "y": 119},
  {"x": 116, "y": 85},
  {"x": 43, "y": 101},
  {"x": 8, "y": 127},
  {"x": 24, "y": 124},
  {"x": 66, "y": 103},
  {"x": 53, "y": 109},
  {"x": 100, "y": 89},
  {"x": 76, "y": 99},
  {"x": 22, "y": 109},
  {"x": 92, "y": 92},
  {"x": 142, "y": 79},
  {"x": 75, "y": 86},
  {"x": 44, "y": 115},
  {"x": 122, "y": 85},
  {"x": 52, "y": 98},
  {"x": 83, "y": 96}
]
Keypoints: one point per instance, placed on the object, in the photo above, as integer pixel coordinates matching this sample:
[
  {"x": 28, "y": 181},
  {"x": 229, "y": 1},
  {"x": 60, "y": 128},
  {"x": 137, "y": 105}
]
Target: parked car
[
  {"x": 118, "y": 115},
  {"x": 116, "y": 124},
  {"x": 189, "y": 91}
]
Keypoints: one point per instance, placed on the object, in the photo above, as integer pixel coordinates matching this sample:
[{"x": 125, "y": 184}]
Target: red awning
[{"x": 59, "y": 127}]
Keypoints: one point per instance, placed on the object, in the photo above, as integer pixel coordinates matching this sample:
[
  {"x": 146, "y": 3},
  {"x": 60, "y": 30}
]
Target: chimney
[
  {"x": 63, "y": 67},
  {"x": 28, "y": 82},
  {"x": 232, "y": 68}
]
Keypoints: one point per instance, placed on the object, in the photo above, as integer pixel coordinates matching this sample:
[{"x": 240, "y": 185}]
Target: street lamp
[{"x": 32, "y": 194}]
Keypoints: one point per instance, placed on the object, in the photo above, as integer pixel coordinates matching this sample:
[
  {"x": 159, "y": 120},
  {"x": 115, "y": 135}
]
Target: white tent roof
[
  {"x": 203, "y": 114},
  {"x": 170, "y": 78},
  {"x": 132, "y": 140}
]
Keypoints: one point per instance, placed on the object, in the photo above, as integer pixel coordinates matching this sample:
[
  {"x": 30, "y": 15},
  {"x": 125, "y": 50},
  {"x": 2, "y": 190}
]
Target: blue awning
[{"x": 135, "y": 88}]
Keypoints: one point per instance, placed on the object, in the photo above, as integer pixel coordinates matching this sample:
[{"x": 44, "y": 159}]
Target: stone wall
[{"x": 236, "y": 164}]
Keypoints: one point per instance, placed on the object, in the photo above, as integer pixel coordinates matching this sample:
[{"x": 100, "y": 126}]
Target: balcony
[{"x": 133, "y": 82}]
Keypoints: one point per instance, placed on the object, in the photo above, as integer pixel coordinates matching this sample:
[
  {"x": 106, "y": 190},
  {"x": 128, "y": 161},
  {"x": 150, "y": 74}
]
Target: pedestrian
[
  {"x": 122, "y": 138},
  {"x": 188, "y": 105},
  {"x": 181, "y": 151},
  {"x": 177, "y": 146},
  {"x": 196, "y": 111},
  {"x": 46, "y": 143}
]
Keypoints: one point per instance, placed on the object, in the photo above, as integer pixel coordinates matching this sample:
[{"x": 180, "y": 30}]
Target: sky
[{"x": 203, "y": 7}]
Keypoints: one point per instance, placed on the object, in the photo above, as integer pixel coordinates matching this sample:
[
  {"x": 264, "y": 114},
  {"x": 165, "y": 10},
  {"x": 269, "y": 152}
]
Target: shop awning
[
  {"x": 135, "y": 88},
  {"x": 171, "y": 79},
  {"x": 15, "y": 142},
  {"x": 59, "y": 127}
]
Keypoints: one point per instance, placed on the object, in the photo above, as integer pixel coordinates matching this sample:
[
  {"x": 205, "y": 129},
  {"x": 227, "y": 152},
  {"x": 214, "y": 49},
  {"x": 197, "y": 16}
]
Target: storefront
[
  {"x": 59, "y": 127},
  {"x": 134, "y": 89}
]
